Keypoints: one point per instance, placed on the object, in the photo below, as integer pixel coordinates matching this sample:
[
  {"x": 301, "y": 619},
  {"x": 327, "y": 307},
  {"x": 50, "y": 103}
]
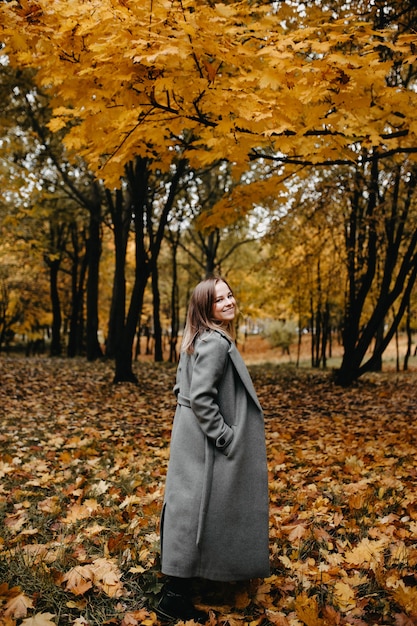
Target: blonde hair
[{"x": 200, "y": 313}]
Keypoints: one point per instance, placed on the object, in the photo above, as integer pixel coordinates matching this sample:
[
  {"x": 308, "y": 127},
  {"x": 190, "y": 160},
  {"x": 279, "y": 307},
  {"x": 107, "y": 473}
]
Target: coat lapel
[{"x": 243, "y": 373}]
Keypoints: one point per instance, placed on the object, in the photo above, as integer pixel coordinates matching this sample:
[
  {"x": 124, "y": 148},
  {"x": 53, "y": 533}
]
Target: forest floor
[{"x": 82, "y": 469}]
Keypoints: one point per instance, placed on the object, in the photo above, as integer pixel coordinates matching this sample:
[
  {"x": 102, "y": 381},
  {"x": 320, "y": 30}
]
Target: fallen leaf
[
  {"x": 17, "y": 607},
  {"x": 40, "y": 619}
]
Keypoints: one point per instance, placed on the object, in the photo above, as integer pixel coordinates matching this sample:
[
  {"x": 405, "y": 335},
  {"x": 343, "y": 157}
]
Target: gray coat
[{"x": 214, "y": 522}]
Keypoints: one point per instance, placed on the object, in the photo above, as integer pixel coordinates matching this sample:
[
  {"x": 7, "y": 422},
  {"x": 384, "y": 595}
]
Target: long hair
[{"x": 200, "y": 313}]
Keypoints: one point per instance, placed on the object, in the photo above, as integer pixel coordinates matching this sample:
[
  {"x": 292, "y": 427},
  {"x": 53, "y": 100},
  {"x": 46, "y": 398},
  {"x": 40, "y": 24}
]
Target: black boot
[{"x": 175, "y": 603}]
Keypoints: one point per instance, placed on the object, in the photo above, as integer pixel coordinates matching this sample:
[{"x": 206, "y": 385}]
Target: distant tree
[{"x": 42, "y": 176}]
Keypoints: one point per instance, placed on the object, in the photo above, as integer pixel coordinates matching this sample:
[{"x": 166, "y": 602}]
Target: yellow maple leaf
[
  {"x": 345, "y": 596},
  {"x": 406, "y": 597},
  {"x": 307, "y": 610},
  {"x": 413, "y": 528},
  {"x": 56, "y": 124},
  {"x": 8, "y": 592},
  {"x": 224, "y": 10},
  {"x": 367, "y": 553},
  {"x": 36, "y": 552}
]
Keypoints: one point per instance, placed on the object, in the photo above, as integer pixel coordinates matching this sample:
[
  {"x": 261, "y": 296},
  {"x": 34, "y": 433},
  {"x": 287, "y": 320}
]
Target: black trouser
[{"x": 181, "y": 586}]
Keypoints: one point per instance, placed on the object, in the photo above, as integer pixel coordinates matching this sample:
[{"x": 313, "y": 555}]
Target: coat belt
[{"x": 183, "y": 400}]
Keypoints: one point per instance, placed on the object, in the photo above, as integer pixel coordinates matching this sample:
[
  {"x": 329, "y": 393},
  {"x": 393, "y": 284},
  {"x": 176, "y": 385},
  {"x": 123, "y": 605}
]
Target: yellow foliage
[
  {"x": 345, "y": 596},
  {"x": 137, "y": 77},
  {"x": 406, "y": 598},
  {"x": 307, "y": 610},
  {"x": 368, "y": 553}
]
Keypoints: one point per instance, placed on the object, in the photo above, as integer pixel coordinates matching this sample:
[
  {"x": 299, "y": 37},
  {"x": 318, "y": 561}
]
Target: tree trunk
[
  {"x": 158, "y": 355},
  {"x": 409, "y": 338},
  {"x": 121, "y": 212},
  {"x": 147, "y": 248},
  {"x": 210, "y": 248},
  {"x": 361, "y": 246},
  {"x": 73, "y": 334},
  {"x": 398, "y": 279},
  {"x": 379, "y": 338},
  {"x": 312, "y": 330},
  {"x": 173, "y": 336},
  {"x": 78, "y": 275},
  {"x": 137, "y": 174},
  {"x": 93, "y": 348},
  {"x": 124, "y": 353},
  {"x": 325, "y": 334},
  {"x": 4, "y": 303},
  {"x": 56, "y": 346}
]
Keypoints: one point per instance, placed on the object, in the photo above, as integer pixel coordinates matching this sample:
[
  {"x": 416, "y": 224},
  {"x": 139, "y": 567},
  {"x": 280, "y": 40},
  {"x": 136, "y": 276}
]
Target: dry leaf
[
  {"x": 17, "y": 607},
  {"x": 40, "y": 619}
]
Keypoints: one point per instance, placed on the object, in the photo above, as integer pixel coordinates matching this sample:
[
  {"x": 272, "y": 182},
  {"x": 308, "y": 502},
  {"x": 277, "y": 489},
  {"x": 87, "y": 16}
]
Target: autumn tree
[
  {"x": 305, "y": 93},
  {"x": 306, "y": 259},
  {"x": 11, "y": 308},
  {"x": 381, "y": 246},
  {"x": 44, "y": 180},
  {"x": 149, "y": 203},
  {"x": 306, "y": 86}
]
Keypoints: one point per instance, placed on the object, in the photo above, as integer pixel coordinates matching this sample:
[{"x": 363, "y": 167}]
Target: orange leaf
[
  {"x": 407, "y": 598},
  {"x": 242, "y": 600},
  {"x": 307, "y": 610},
  {"x": 367, "y": 553}
]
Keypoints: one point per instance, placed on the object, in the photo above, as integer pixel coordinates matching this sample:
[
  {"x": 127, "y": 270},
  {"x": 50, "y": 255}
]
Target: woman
[{"x": 214, "y": 522}]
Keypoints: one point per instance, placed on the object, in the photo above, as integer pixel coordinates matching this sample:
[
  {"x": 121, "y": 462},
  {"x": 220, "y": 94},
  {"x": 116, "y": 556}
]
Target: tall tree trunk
[
  {"x": 145, "y": 257},
  {"x": 56, "y": 345},
  {"x": 409, "y": 337},
  {"x": 93, "y": 348},
  {"x": 398, "y": 279},
  {"x": 157, "y": 328},
  {"x": 361, "y": 246},
  {"x": 78, "y": 276},
  {"x": 137, "y": 176},
  {"x": 210, "y": 248},
  {"x": 317, "y": 336},
  {"x": 173, "y": 337},
  {"x": 121, "y": 212},
  {"x": 325, "y": 334},
  {"x": 379, "y": 338},
  {"x": 312, "y": 330},
  {"x": 73, "y": 334}
]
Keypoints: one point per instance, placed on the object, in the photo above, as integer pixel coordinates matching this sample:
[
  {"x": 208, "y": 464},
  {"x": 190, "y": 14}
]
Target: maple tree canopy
[{"x": 219, "y": 80}]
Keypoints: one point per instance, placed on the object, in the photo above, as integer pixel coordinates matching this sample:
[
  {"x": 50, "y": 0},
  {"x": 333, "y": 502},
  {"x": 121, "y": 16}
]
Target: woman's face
[{"x": 224, "y": 307}]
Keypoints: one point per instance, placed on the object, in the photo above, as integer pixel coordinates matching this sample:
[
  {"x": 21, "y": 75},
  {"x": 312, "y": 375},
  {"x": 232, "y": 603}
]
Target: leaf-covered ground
[{"x": 82, "y": 467}]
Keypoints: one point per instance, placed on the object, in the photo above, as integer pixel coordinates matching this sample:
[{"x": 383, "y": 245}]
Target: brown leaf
[{"x": 17, "y": 607}]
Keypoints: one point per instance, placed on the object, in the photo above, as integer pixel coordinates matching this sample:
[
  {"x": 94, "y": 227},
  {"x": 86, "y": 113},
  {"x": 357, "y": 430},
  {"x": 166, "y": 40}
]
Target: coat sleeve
[{"x": 211, "y": 355}]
